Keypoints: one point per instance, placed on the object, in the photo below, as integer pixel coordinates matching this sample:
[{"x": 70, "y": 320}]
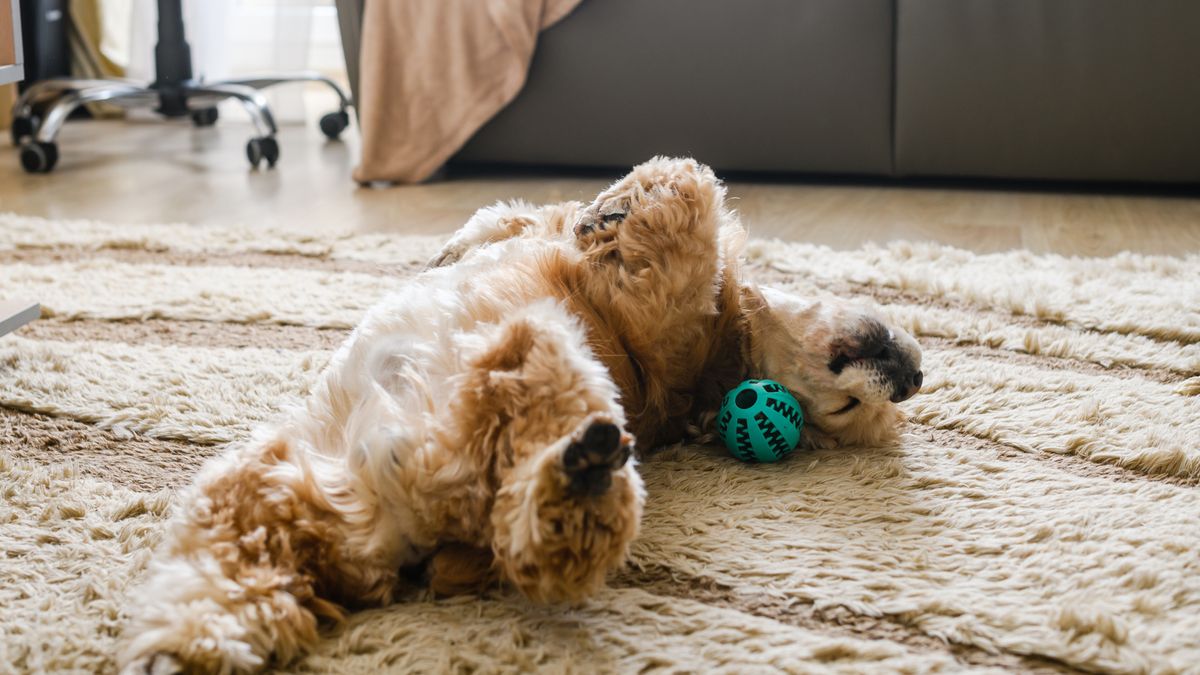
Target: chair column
[{"x": 172, "y": 60}]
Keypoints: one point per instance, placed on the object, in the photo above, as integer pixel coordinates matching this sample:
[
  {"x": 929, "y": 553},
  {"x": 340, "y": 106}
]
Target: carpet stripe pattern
[{"x": 1039, "y": 514}]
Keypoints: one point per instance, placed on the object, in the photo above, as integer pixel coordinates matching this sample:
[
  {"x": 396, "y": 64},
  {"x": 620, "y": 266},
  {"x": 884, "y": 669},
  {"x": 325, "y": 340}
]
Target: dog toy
[{"x": 760, "y": 421}]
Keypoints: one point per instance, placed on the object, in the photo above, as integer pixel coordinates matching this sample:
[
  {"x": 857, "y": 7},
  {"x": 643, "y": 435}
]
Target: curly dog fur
[{"x": 481, "y": 421}]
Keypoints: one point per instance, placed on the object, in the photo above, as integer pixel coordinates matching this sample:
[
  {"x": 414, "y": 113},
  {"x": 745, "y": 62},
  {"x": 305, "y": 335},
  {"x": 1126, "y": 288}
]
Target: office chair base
[{"x": 41, "y": 111}]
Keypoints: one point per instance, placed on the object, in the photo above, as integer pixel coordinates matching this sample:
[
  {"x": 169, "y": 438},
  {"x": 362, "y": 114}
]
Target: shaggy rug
[{"x": 1042, "y": 512}]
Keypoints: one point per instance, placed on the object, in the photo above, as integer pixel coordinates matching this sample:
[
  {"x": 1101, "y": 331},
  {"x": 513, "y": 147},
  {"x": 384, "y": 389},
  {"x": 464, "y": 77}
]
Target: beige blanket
[{"x": 434, "y": 71}]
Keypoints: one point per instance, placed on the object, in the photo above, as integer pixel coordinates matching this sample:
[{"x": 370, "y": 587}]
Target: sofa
[{"x": 1080, "y": 90}]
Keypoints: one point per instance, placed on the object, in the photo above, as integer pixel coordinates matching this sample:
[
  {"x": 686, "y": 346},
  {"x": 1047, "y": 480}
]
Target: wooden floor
[{"x": 153, "y": 171}]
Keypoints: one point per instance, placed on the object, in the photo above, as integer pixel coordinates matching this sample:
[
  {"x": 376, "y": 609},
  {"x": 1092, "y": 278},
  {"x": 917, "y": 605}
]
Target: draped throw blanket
[{"x": 435, "y": 71}]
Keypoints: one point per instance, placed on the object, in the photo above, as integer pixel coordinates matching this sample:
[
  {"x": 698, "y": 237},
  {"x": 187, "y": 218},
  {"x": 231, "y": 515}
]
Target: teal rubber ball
[{"x": 760, "y": 421}]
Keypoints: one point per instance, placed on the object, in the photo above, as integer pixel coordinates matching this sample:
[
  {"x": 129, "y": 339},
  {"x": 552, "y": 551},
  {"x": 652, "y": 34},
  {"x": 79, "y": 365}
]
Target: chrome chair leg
[
  {"x": 41, "y": 111},
  {"x": 264, "y": 81},
  {"x": 67, "y": 102},
  {"x": 261, "y": 147},
  {"x": 39, "y": 153},
  {"x": 332, "y": 124},
  {"x": 254, "y": 103},
  {"x": 50, "y": 88}
]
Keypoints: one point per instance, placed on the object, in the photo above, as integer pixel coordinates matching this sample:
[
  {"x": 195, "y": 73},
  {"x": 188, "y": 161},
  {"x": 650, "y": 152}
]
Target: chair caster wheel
[
  {"x": 38, "y": 157},
  {"x": 334, "y": 123},
  {"x": 24, "y": 127},
  {"x": 258, "y": 149},
  {"x": 205, "y": 117}
]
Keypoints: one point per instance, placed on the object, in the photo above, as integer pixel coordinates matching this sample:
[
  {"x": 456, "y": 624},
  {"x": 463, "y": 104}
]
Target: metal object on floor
[
  {"x": 43, "y": 108},
  {"x": 17, "y": 313}
]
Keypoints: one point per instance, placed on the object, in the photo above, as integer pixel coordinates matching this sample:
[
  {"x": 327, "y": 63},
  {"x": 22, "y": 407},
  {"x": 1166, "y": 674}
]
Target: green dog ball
[{"x": 760, "y": 421}]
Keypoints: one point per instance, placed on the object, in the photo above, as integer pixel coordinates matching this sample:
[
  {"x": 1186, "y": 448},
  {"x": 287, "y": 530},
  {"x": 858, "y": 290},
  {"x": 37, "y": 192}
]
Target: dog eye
[{"x": 615, "y": 216}]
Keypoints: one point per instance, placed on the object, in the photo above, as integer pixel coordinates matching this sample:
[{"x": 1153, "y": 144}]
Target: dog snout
[{"x": 908, "y": 388}]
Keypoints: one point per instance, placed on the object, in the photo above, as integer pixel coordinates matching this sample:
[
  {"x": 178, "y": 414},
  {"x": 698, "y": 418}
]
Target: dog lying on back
[{"x": 481, "y": 421}]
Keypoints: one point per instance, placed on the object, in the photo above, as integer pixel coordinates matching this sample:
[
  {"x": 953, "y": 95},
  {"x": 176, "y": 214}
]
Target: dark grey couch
[{"x": 1054, "y": 89}]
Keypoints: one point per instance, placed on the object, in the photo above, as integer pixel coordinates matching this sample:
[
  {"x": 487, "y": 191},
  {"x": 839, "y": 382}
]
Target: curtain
[
  {"x": 85, "y": 33},
  {"x": 229, "y": 38}
]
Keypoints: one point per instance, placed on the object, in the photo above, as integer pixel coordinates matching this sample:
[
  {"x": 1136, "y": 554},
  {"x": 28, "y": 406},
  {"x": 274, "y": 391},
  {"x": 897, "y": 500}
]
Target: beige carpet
[{"x": 1041, "y": 514}]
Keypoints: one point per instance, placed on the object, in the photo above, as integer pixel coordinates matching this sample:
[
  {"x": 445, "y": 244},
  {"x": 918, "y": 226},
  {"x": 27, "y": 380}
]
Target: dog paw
[
  {"x": 154, "y": 664},
  {"x": 589, "y": 461},
  {"x": 598, "y": 225},
  {"x": 451, "y": 253}
]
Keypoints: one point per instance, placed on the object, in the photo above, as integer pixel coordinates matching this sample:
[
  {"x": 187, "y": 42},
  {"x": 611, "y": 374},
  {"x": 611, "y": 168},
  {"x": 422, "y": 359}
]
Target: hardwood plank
[{"x": 166, "y": 171}]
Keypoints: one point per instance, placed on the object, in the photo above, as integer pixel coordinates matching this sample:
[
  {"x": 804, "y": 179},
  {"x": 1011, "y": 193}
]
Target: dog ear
[
  {"x": 759, "y": 327},
  {"x": 731, "y": 355}
]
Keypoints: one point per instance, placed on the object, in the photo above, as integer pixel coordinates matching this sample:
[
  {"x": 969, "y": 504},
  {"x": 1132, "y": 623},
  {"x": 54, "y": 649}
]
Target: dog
[{"x": 486, "y": 420}]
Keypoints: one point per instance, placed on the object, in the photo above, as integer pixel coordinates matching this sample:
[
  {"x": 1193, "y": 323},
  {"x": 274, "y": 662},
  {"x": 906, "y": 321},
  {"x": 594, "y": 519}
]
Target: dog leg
[
  {"x": 579, "y": 480},
  {"x": 568, "y": 500},
  {"x": 654, "y": 247},
  {"x": 657, "y": 229},
  {"x": 565, "y": 517},
  {"x": 238, "y": 587},
  {"x": 505, "y": 220}
]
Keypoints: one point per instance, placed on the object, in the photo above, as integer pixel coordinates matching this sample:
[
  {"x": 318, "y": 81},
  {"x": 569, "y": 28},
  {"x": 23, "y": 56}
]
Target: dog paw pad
[
  {"x": 590, "y": 460},
  {"x": 594, "y": 229}
]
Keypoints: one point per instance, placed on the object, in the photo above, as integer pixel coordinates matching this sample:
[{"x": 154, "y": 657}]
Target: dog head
[{"x": 844, "y": 362}]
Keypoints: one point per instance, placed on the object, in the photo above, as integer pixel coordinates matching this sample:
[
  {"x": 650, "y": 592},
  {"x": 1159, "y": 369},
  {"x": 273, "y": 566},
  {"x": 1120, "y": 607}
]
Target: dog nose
[{"x": 910, "y": 388}]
